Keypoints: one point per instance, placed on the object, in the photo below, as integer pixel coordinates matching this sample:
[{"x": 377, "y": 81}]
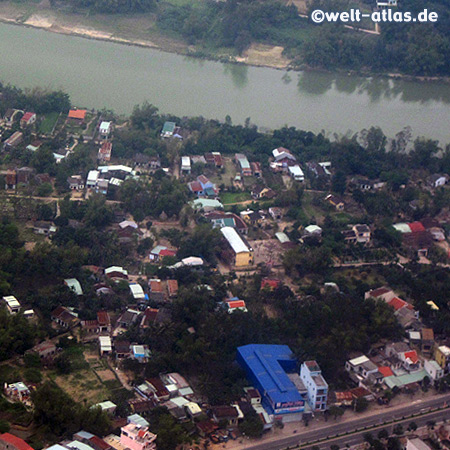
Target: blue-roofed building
[{"x": 272, "y": 369}]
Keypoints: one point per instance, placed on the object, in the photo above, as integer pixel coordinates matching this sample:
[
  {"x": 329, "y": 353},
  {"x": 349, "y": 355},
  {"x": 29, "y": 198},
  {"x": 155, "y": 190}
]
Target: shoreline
[{"x": 43, "y": 23}]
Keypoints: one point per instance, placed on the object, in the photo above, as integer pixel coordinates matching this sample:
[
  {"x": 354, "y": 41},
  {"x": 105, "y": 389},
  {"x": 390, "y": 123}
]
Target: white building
[
  {"x": 434, "y": 370},
  {"x": 416, "y": 444},
  {"x": 317, "y": 387},
  {"x": 92, "y": 178},
  {"x": 136, "y": 291},
  {"x": 186, "y": 164},
  {"x": 12, "y": 304},
  {"x": 105, "y": 129},
  {"x": 105, "y": 345},
  {"x": 296, "y": 173}
]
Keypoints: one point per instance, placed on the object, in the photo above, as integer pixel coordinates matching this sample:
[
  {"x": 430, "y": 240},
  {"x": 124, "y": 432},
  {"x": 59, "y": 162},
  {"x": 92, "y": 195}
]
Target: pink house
[{"x": 137, "y": 437}]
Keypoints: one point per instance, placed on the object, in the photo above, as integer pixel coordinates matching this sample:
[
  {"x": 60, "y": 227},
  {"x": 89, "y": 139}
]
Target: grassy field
[
  {"x": 234, "y": 197},
  {"x": 48, "y": 123}
]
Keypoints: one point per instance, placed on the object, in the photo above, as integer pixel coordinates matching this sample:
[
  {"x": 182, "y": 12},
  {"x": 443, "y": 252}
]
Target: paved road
[{"x": 356, "y": 424}]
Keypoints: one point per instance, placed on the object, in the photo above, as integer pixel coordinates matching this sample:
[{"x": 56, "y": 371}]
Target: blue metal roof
[{"x": 266, "y": 365}]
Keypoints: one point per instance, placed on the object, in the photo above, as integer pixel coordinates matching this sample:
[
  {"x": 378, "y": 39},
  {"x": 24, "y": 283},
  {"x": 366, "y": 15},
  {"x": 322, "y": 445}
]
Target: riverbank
[
  {"x": 136, "y": 30},
  {"x": 141, "y": 30}
]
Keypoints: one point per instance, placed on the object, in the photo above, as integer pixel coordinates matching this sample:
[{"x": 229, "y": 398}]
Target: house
[
  {"x": 10, "y": 179},
  {"x": 10, "y": 117},
  {"x": 105, "y": 345},
  {"x": 105, "y": 129},
  {"x": 146, "y": 161},
  {"x": 270, "y": 283},
  {"x": 92, "y": 178},
  {"x": 296, "y": 173},
  {"x": 75, "y": 182},
  {"x": 283, "y": 160},
  {"x": 137, "y": 420},
  {"x": 137, "y": 292},
  {"x": 436, "y": 180},
  {"x": 104, "y": 152},
  {"x": 140, "y": 352},
  {"x": 230, "y": 414},
  {"x": 185, "y": 165},
  {"x": 13, "y": 141},
  {"x": 261, "y": 191},
  {"x": 137, "y": 437},
  {"x": 18, "y": 392},
  {"x": 382, "y": 293},
  {"x": 77, "y": 116},
  {"x": 122, "y": 349},
  {"x": 434, "y": 370},
  {"x": 12, "y": 304},
  {"x": 140, "y": 405},
  {"x": 312, "y": 230},
  {"x": 150, "y": 316},
  {"x": 349, "y": 236},
  {"x": 317, "y": 387},
  {"x": 442, "y": 357},
  {"x": 251, "y": 217},
  {"x": 168, "y": 129},
  {"x": 243, "y": 164},
  {"x": 362, "y": 232},
  {"x": 256, "y": 169},
  {"x": 104, "y": 321},
  {"x": 45, "y": 228},
  {"x": 220, "y": 219},
  {"x": 361, "y": 366},
  {"x": 90, "y": 326},
  {"x": 64, "y": 317},
  {"x": 240, "y": 252},
  {"x": 10, "y": 442},
  {"x": 74, "y": 285},
  {"x": 234, "y": 304},
  {"x": 116, "y": 272},
  {"x": 45, "y": 349},
  {"x": 335, "y": 201},
  {"x": 158, "y": 388},
  {"x": 156, "y": 291},
  {"x": 128, "y": 318},
  {"x": 427, "y": 341},
  {"x": 218, "y": 161},
  {"x": 172, "y": 288},
  {"x": 160, "y": 252},
  {"x": 276, "y": 213},
  {"x": 27, "y": 119},
  {"x": 269, "y": 367},
  {"x": 318, "y": 170}
]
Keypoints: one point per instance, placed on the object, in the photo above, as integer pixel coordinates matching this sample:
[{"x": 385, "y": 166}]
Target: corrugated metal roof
[{"x": 235, "y": 241}]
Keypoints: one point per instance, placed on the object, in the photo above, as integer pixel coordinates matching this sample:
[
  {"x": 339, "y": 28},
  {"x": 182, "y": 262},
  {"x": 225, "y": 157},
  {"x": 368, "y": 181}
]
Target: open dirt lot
[{"x": 268, "y": 251}]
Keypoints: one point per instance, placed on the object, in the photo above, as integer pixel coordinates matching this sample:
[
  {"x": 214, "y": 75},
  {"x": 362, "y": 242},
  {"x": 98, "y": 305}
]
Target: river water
[{"x": 99, "y": 74}]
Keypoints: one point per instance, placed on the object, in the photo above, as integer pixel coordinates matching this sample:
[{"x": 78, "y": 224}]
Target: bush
[{"x": 33, "y": 375}]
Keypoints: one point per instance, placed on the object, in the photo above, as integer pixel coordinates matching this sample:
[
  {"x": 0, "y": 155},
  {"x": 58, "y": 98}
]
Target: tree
[
  {"x": 412, "y": 426},
  {"x": 33, "y": 375},
  {"x": 4, "y": 426},
  {"x": 383, "y": 434},
  {"x": 252, "y": 425},
  {"x": 336, "y": 411},
  {"x": 44, "y": 190},
  {"x": 339, "y": 182},
  {"x": 360, "y": 404},
  {"x": 398, "y": 429}
]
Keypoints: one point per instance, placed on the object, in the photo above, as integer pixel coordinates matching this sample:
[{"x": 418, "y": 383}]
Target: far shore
[{"x": 258, "y": 55}]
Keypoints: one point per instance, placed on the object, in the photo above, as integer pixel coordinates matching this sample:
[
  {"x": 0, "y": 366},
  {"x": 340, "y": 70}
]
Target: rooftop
[{"x": 235, "y": 241}]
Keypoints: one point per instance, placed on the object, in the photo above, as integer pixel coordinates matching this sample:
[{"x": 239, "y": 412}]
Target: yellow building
[
  {"x": 442, "y": 356},
  {"x": 242, "y": 252}
]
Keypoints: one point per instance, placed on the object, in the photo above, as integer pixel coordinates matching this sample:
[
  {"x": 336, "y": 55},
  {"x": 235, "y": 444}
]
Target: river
[{"x": 99, "y": 74}]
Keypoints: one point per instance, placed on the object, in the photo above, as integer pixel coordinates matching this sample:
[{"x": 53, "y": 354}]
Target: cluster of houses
[{"x": 399, "y": 365}]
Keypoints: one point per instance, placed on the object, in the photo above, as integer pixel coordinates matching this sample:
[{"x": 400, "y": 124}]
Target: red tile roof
[
  {"x": 17, "y": 442},
  {"x": 77, "y": 114},
  {"x": 195, "y": 186},
  {"x": 103, "y": 318},
  {"x": 380, "y": 291},
  {"x": 385, "y": 371},
  {"x": 397, "y": 303},
  {"x": 100, "y": 443},
  {"x": 172, "y": 286},
  {"x": 271, "y": 283},
  {"x": 167, "y": 252},
  {"x": 412, "y": 355},
  {"x": 236, "y": 304},
  {"x": 27, "y": 116},
  {"x": 416, "y": 226}
]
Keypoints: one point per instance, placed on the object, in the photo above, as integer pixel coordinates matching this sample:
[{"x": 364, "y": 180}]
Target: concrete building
[
  {"x": 136, "y": 437},
  {"x": 267, "y": 367},
  {"x": 434, "y": 370},
  {"x": 442, "y": 356},
  {"x": 316, "y": 385},
  {"x": 242, "y": 253},
  {"x": 185, "y": 165},
  {"x": 416, "y": 444}
]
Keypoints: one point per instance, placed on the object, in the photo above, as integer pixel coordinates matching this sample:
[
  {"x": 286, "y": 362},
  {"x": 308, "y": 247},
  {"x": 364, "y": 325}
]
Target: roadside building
[
  {"x": 136, "y": 437},
  {"x": 315, "y": 384},
  {"x": 434, "y": 370},
  {"x": 442, "y": 357},
  {"x": 267, "y": 367}
]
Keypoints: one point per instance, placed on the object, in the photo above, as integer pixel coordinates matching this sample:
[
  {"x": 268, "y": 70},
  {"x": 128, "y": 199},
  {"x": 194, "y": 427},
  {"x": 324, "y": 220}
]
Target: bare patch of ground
[{"x": 265, "y": 55}]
